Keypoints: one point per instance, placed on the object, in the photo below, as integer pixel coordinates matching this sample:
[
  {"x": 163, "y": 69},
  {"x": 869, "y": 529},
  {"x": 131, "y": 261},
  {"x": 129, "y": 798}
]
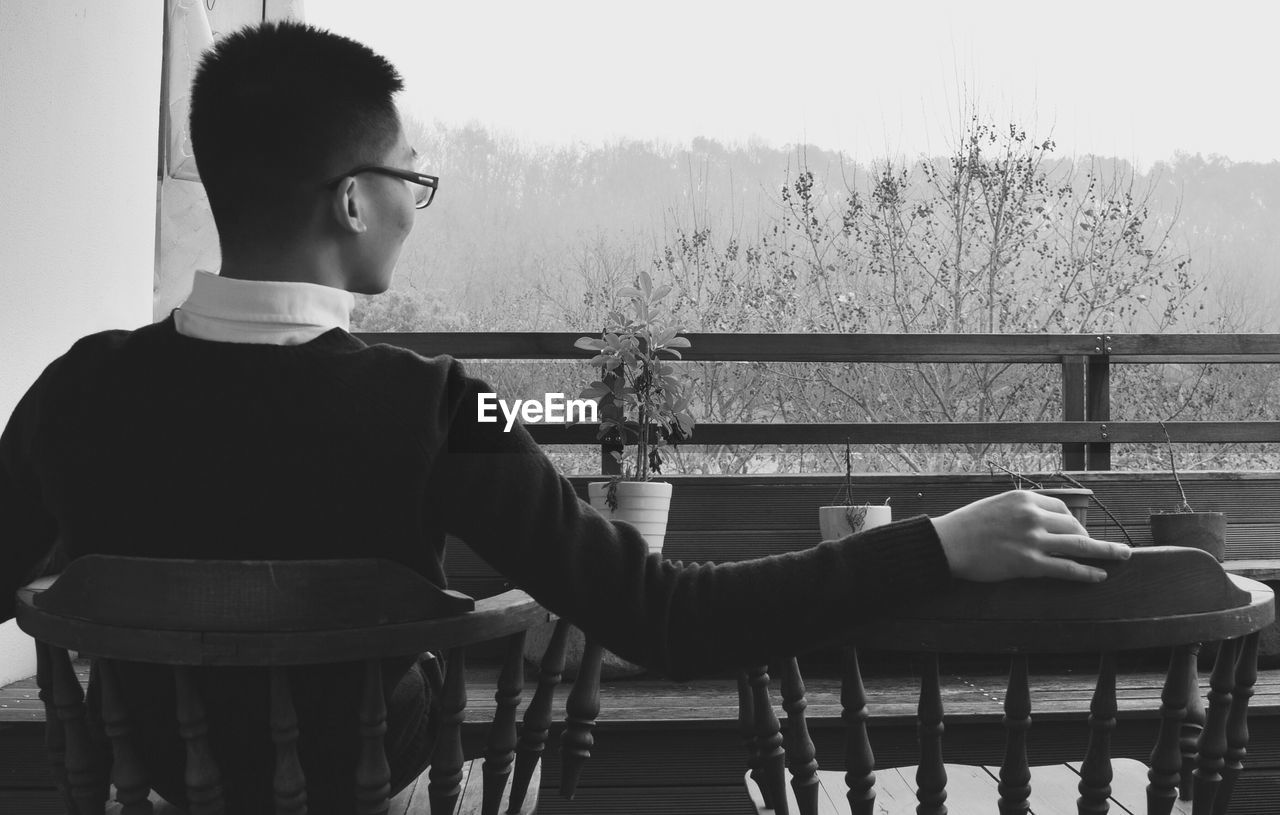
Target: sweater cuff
[{"x": 906, "y": 555}]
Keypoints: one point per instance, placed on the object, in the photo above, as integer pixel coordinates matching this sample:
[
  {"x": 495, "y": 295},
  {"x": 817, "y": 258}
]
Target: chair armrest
[
  {"x": 1162, "y": 595},
  {"x": 225, "y": 639}
]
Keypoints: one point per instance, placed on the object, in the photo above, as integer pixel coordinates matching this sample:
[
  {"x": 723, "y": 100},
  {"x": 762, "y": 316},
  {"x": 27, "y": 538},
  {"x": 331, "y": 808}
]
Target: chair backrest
[
  {"x": 1161, "y": 596},
  {"x": 279, "y": 616}
]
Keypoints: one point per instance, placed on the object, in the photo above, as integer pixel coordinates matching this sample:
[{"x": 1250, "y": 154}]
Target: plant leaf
[{"x": 686, "y": 423}]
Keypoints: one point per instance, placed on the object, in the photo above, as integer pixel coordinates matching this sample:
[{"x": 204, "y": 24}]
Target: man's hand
[{"x": 1021, "y": 534}]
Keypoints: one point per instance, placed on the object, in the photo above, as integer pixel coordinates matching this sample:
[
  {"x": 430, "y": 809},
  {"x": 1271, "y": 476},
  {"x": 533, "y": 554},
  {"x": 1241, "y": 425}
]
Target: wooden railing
[{"x": 1086, "y": 430}]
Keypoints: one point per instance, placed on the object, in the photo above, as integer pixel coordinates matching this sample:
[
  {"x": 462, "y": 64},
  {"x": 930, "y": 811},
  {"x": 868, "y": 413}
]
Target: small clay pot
[
  {"x": 1077, "y": 500},
  {"x": 1198, "y": 530}
]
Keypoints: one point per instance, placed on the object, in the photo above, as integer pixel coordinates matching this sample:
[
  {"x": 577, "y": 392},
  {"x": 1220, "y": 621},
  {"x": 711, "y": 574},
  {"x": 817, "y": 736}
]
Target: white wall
[{"x": 79, "y": 112}]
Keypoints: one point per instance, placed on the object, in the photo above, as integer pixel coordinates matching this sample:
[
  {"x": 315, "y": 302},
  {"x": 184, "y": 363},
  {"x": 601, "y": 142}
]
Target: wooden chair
[
  {"x": 1161, "y": 596},
  {"x": 282, "y": 616}
]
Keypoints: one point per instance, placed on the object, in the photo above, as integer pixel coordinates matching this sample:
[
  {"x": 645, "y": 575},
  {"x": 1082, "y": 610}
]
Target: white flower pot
[
  {"x": 643, "y": 504},
  {"x": 837, "y": 521}
]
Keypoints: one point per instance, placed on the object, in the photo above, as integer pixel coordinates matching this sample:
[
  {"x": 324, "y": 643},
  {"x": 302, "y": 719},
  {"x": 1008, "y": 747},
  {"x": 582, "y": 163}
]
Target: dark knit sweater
[{"x": 152, "y": 443}]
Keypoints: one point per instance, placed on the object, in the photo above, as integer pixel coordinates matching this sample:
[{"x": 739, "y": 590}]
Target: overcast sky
[{"x": 1137, "y": 80}]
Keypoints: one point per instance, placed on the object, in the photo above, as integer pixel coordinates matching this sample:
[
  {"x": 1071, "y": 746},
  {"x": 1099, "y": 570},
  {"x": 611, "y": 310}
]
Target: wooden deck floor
[{"x": 665, "y": 747}]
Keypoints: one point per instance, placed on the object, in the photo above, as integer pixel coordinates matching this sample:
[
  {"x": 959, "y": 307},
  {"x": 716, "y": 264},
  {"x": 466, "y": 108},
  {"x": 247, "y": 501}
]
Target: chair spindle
[
  {"x": 55, "y": 741},
  {"x": 581, "y": 709},
  {"x": 1096, "y": 771},
  {"x": 203, "y": 780},
  {"x": 86, "y": 793},
  {"x": 373, "y": 773},
  {"x": 1192, "y": 725},
  {"x": 127, "y": 771},
  {"x": 445, "y": 777},
  {"x": 747, "y": 725},
  {"x": 537, "y": 717},
  {"x": 931, "y": 775},
  {"x": 772, "y": 758},
  {"x": 1212, "y": 746},
  {"x": 1238, "y": 722},
  {"x": 289, "y": 785},
  {"x": 1166, "y": 756},
  {"x": 501, "y": 751},
  {"x": 859, "y": 760},
  {"x": 1015, "y": 772},
  {"x": 800, "y": 752}
]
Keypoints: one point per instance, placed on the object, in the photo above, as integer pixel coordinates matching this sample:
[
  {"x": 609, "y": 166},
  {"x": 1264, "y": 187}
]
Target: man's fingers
[
  {"x": 1061, "y": 523},
  {"x": 1048, "y": 502},
  {"x": 1083, "y": 546},
  {"x": 1067, "y": 569}
]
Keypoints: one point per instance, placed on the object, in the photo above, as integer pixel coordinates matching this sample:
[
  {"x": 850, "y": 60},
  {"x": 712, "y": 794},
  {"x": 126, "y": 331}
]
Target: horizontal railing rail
[
  {"x": 1016, "y": 348},
  {"x": 943, "y": 433},
  {"x": 1085, "y": 431}
]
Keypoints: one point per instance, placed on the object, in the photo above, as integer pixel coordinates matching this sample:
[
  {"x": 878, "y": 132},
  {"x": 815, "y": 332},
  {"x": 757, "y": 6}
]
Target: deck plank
[
  {"x": 653, "y": 698},
  {"x": 664, "y": 746}
]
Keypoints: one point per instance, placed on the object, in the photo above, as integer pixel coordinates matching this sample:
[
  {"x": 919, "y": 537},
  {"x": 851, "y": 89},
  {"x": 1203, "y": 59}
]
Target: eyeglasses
[{"x": 422, "y": 196}]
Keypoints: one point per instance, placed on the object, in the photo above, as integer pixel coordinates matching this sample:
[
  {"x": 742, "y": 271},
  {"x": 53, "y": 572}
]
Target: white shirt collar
[{"x": 272, "y": 312}]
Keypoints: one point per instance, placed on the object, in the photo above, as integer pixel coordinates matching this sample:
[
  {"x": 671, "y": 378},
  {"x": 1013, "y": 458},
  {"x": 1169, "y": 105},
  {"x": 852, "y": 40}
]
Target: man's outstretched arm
[{"x": 501, "y": 495}]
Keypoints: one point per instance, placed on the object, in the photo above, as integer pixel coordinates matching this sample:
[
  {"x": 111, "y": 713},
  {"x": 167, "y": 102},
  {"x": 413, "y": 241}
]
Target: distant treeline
[
  {"x": 515, "y": 220},
  {"x": 1003, "y": 235}
]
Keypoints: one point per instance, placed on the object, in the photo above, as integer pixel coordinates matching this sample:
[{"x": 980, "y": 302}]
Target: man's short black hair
[{"x": 276, "y": 109}]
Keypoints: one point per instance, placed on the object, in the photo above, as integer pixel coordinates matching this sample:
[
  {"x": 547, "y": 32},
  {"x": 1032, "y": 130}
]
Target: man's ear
[{"x": 347, "y": 206}]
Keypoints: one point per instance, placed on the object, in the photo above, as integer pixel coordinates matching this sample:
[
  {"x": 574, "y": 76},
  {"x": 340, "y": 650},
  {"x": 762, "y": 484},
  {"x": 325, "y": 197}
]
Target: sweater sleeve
[
  {"x": 27, "y": 529},
  {"x": 502, "y": 495}
]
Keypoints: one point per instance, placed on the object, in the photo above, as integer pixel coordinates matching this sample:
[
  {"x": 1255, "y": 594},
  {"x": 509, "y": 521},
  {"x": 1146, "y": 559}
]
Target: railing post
[
  {"x": 1073, "y": 402},
  {"x": 1098, "y": 401}
]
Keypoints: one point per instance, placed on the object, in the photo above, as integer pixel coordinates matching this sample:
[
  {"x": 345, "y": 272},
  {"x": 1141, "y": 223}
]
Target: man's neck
[{"x": 287, "y": 267}]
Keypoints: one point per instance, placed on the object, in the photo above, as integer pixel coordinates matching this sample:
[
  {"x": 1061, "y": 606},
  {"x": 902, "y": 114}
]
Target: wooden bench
[{"x": 726, "y": 518}]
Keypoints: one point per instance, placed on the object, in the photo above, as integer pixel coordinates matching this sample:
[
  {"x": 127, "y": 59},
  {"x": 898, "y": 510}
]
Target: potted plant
[
  {"x": 1077, "y": 497},
  {"x": 1183, "y": 526},
  {"x": 644, "y": 409},
  {"x": 643, "y": 406},
  {"x": 844, "y": 516}
]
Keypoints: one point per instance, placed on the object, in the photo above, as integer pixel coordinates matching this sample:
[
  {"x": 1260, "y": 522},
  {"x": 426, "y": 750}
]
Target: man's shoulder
[
  {"x": 441, "y": 382},
  {"x": 92, "y": 349},
  {"x": 441, "y": 366},
  {"x": 86, "y": 361},
  {"x": 101, "y": 342}
]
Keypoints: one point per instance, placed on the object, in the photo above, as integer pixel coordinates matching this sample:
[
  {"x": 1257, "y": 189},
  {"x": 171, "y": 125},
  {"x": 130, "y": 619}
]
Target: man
[{"x": 250, "y": 424}]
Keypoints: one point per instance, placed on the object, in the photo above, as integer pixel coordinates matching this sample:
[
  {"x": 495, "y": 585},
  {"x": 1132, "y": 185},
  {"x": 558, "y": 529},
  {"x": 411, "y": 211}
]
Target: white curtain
[
  {"x": 185, "y": 236},
  {"x": 192, "y": 26}
]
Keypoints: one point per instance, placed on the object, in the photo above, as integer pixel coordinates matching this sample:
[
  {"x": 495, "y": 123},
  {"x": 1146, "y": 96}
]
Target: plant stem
[
  {"x": 1093, "y": 497},
  {"x": 642, "y": 443},
  {"x": 1019, "y": 478},
  {"x": 1174, "y": 467}
]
